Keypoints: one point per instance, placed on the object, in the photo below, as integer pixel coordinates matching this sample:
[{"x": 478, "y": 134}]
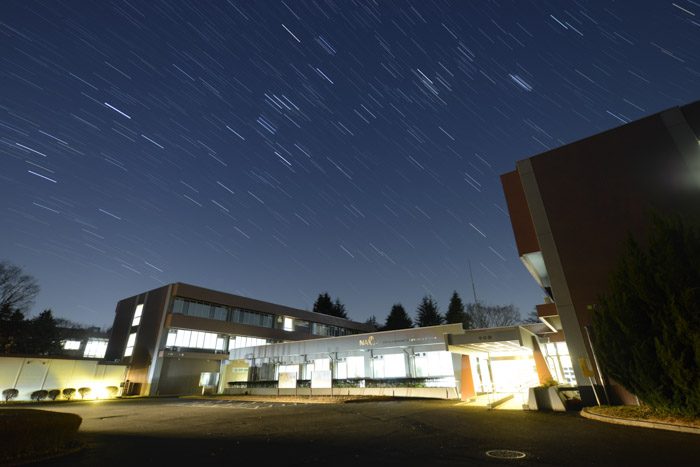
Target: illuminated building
[
  {"x": 571, "y": 209},
  {"x": 437, "y": 361},
  {"x": 169, "y": 336}
]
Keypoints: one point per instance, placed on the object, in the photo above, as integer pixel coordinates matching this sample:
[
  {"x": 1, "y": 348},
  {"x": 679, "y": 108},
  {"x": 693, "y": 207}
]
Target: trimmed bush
[
  {"x": 68, "y": 393},
  {"x": 9, "y": 394},
  {"x": 40, "y": 395},
  {"x": 84, "y": 392},
  {"x": 30, "y": 434},
  {"x": 54, "y": 393},
  {"x": 112, "y": 391}
]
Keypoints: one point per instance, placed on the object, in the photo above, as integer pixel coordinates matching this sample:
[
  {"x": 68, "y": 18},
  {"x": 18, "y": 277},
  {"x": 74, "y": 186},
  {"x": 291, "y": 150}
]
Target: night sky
[{"x": 277, "y": 150}]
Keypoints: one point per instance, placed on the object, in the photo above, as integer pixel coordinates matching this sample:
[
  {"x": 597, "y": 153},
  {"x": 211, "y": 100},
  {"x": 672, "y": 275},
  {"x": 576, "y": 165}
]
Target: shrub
[
  {"x": 54, "y": 393},
  {"x": 39, "y": 395},
  {"x": 112, "y": 391},
  {"x": 68, "y": 393},
  {"x": 647, "y": 325},
  {"x": 9, "y": 394},
  {"x": 84, "y": 392},
  {"x": 31, "y": 434}
]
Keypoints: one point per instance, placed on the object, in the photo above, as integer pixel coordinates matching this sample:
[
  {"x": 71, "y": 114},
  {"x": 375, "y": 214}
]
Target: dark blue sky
[{"x": 281, "y": 149}]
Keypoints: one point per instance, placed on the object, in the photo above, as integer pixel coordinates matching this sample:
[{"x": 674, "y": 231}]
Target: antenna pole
[{"x": 472, "y": 279}]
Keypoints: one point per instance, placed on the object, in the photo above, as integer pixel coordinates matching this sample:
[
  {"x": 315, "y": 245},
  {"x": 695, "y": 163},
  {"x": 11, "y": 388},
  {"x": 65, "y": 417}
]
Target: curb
[{"x": 640, "y": 423}]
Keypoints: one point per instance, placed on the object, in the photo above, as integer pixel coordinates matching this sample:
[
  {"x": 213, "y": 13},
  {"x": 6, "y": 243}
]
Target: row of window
[
  {"x": 191, "y": 339},
  {"x": 94, "y": 348},
  {"x": 427, "y": 364},
  {"x": 222, "y": 313},
  {"x": 254, "y": 318}
]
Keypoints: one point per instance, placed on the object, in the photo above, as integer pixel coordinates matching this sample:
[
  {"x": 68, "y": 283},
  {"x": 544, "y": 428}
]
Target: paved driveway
[{"x": 405, "y": 432}]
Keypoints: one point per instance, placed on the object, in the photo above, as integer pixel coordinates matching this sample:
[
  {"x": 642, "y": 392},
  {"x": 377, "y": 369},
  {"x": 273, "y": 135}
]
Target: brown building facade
[
  {"x": 571, "y": 209},
  {"x": 169, "y": 336}
]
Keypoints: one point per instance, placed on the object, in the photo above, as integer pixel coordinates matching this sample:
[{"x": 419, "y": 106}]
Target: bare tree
[
  {"x": 17, "y": 289},
  {"x": 492, "y": 316}
]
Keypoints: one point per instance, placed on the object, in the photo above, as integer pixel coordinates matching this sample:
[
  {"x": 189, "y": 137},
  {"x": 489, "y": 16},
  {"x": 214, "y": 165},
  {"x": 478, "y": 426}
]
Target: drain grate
[{"x": 505, "y": 454}]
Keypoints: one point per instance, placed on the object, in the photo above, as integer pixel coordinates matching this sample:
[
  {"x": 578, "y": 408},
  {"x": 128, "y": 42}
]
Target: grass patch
[
  {"x": 31, "y": 434},
  {"x": 643, "y": 412}
]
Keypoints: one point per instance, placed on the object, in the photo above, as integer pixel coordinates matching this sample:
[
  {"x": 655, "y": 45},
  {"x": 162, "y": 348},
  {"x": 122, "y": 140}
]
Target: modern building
[
  {"x": 169, "y": 336},
  {"x": 80, "y": 342},
  {"x": 571, "y": 209},
  {"x": 477, "y": 365}
]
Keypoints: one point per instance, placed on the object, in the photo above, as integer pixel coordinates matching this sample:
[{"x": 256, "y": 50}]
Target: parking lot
[{"x": 397, "y": 432}]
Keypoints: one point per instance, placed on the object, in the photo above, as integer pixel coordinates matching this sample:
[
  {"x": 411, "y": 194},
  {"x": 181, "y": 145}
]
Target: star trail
[{"x": 278, "y": 150}]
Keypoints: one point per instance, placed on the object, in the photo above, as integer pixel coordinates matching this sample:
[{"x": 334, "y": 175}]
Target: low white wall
[
  {"x": 29, "y": 374},
  {"x": 432, "y": 393}
]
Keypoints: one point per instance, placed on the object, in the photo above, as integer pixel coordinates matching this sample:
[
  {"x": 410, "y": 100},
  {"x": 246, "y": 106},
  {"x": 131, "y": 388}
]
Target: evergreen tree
[
  {"x": 372, "y": 321},
  {"x": 397, "y": 319},
  {"x": 323, "y": 304},
  {"x": 428, "y": 313},
  {"x": 339, "y": 309},
  {"x": 646, "y": 326},
  {"x": 455, "y": 312},
  {"x": 44, "y": 337}
]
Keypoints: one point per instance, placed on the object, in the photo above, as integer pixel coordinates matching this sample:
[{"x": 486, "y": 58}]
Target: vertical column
[{"x": 467, "y": 386}]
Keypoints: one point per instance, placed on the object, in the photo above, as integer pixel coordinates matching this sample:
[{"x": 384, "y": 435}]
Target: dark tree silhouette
[
  {"x": 397, "y": 319},
  {"x": 17, "y": 289},
  {"x": 492, "y": 316},
  {"x": 324, "y": 304},
  {"x": 455, "y": 312},
  {"x": 428, "y": 313},
  {"x": 646, "y": 326},
  {"x": 372, "y": 321},
  {"x": 339, "y": 309}
]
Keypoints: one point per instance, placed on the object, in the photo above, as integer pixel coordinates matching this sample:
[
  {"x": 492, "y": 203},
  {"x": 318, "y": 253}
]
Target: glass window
[
  {"x": 130, "y": 345},
  {"x": 71, "y": 345},
  {"x": 302, "y": 326},
  {"x": 95, "y": 348},
  {"x": 137, "y": 315},
  {"x": 288, "y": 324},
  {"x": 172, "y": 335}
]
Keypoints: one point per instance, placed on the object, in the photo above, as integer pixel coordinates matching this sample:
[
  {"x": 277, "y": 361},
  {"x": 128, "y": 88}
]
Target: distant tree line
[
  {"x": 472, "y": 315},
  {"x": 40, "y": 335}
]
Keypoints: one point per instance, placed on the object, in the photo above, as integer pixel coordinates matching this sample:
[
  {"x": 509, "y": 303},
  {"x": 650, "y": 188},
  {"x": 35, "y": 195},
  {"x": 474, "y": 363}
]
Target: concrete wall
[{"x": 29, "y": 374}]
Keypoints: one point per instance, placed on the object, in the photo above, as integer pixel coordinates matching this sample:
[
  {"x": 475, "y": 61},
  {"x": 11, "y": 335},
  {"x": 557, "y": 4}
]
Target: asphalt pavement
[{"x": 421, "y": 432}]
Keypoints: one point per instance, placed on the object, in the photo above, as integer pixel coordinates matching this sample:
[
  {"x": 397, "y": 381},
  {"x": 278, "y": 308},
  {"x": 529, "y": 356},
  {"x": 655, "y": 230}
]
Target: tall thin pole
[{"x": 472, "y": 279}]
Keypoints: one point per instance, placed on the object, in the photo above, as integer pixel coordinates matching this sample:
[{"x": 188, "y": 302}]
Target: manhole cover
[{"x": 505, "y": 454}]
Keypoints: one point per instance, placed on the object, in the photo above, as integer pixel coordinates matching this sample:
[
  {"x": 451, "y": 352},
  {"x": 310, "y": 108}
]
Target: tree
[
  {"x": 455, "y": 312},
  {"x": 646, "y": 325},
  {"x": 372, "y": 321},
  {"x": 532, "y": 317},
  {"x": 324, "y": 304},
  {"x": 44, "y": 337},
  {"x": 17, "y": 290},
  {"x": 492, "y": 316},
  {"x": 397, "y": 319},
  {"x": 339, "y": 309},
  {"x": 427, "y": 313}
]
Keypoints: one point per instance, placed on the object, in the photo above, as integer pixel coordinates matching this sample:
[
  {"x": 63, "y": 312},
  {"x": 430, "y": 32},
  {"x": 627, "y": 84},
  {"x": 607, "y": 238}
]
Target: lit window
[
  {"x": 71, "y": 345},
  {"x": 288, "y": 324},
  {"x": 130, "y": 345},
  {"x": 95, "y": 348},
  {"x": 172, "y": 335},
  {"x": 137, "y": 315}
]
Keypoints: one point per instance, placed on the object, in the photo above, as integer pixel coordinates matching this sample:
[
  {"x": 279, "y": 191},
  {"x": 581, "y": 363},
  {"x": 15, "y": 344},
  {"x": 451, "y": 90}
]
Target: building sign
[
  {"x": 321, "y": 379},
  {"x": 287, "y": 380},
  {"x": 367, "y": 342}
]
